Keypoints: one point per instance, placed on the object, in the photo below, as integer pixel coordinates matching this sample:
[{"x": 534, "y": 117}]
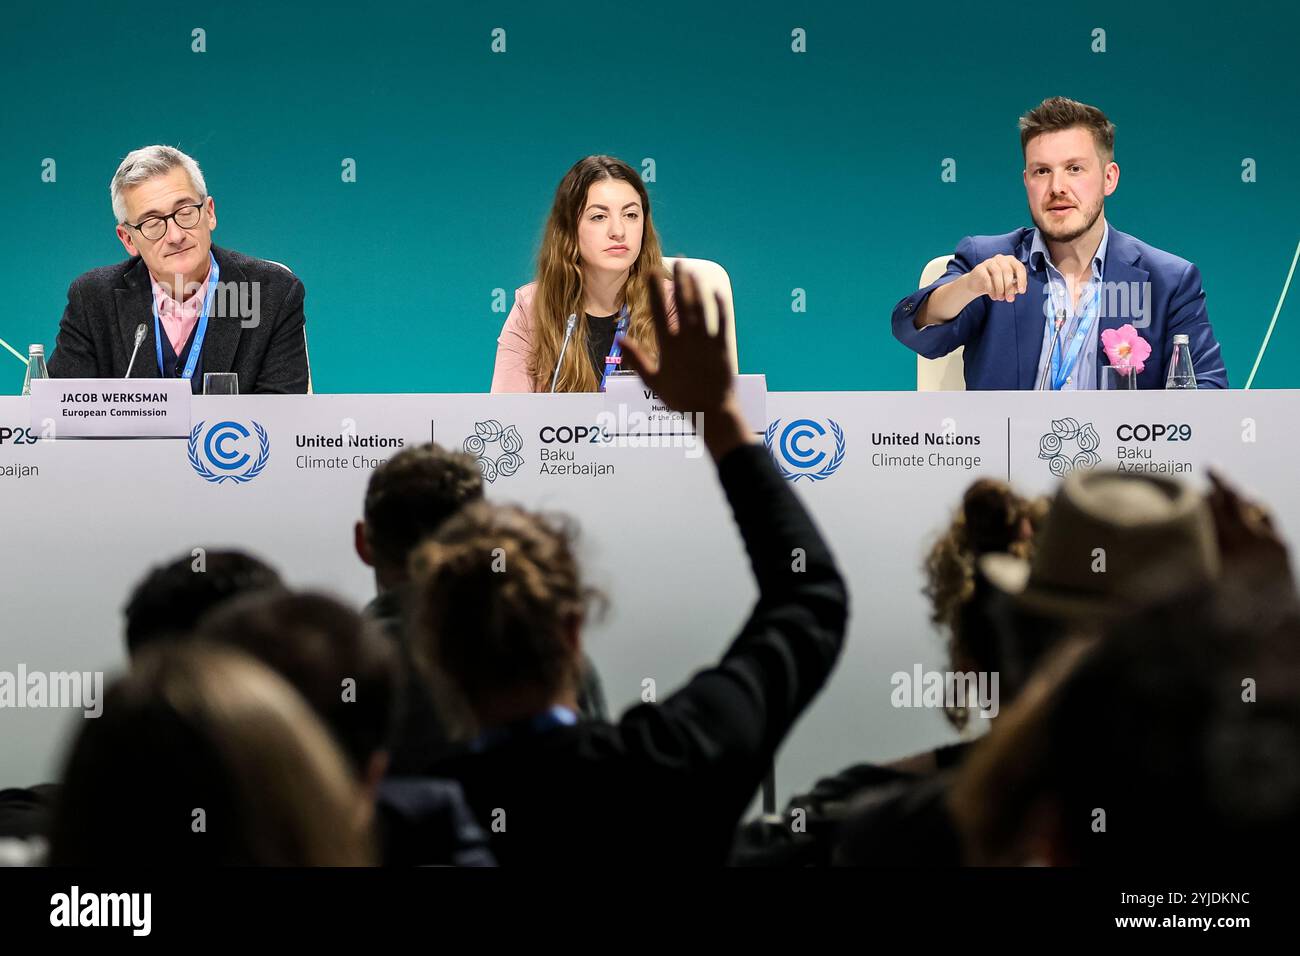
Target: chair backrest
[
  {"x": 305, "y": 353},
  {"x": 946, "y": 374},
  {"x": 307, "y": 356},
  {"x": 712, "y": 278}
]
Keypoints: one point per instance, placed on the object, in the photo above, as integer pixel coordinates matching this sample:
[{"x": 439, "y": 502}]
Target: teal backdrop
[{"x": 818, "y": 171}]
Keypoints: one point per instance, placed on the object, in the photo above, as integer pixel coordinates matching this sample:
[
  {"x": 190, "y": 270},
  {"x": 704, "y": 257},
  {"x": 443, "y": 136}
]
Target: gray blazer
[{"x": 106, "y": 305}]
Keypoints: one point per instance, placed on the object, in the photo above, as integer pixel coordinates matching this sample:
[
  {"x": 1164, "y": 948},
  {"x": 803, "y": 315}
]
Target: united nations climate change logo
[
  {"x": 508, "y": 442},
  {"x": 793, "y": 448},
  {"x": 221, "y": 455},
  {"x": 1068, "y": 446}
]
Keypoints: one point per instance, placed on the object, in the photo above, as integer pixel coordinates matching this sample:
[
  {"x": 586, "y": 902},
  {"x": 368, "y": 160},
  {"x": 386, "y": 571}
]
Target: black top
[
  {"x": 667, "y": 784},
  {"x": 419, "y": 736},
  {"x": 422, "y": 822},
  {"x": 600, "y": 339},
  {"x": 907, "y": 824}
]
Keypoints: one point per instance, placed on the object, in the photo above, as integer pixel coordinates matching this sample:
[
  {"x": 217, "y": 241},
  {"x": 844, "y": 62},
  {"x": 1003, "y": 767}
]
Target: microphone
[
  {"x": 1060, "y": 321},
  {"x": 140, "y": 331},
  {"x": 568, "y": 334}
]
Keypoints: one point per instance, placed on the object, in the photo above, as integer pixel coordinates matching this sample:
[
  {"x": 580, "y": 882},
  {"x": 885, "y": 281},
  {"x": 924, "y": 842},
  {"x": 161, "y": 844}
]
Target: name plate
[
  {"x": 111, "y": 408},
  {"x": 640, "y": 411}
]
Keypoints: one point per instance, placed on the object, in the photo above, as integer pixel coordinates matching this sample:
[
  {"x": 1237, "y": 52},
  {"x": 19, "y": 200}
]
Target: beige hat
[{"x": 1112, "y": 542}]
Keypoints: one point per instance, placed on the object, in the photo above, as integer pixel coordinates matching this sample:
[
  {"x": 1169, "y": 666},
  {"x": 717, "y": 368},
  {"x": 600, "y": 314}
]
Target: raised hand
[{"x": 693, "y": 372}]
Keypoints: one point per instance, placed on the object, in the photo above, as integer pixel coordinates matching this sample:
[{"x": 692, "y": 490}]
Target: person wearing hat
[
  {"x": 1111, "y": 544},
  {"x": 1105, "y": 535},
  {"x": 1150, "y": 721}
]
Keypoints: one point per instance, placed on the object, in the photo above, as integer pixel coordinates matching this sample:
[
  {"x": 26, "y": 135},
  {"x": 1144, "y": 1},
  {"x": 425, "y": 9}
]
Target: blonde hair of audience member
[{"x": 198, "y": 726}]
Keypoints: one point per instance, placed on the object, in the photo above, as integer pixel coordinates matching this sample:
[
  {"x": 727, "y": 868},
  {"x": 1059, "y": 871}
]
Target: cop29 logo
[
  {"x": 506, "y": 438},
  {"x": 228, "y": 452},
  {"x": 19, "y": 435},
  {"x": 803, "y": 445},
  {"x": 1068, "y": 446}
]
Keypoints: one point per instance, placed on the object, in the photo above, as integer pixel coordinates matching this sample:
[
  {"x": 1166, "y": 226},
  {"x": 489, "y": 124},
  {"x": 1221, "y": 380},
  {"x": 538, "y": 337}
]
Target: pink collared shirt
[{"x": 179, "y": 318}]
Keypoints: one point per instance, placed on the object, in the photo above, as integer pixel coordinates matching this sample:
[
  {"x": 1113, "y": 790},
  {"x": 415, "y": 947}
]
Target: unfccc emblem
[
  {"x": 801, "y": 445},
  {"x": 228, "y": 452}
]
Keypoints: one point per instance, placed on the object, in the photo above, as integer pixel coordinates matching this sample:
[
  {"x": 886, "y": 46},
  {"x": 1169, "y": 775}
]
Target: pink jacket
[{"x": 515, "y": 342}]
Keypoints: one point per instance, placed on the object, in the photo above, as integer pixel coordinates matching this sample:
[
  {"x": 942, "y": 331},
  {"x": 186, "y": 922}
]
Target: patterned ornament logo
[
  {"x": 1069, "y": 446},
  {"x": 223, "y": 448},
  {"x": 792, "y": 448},
  {"x": 508, "y": 442}
]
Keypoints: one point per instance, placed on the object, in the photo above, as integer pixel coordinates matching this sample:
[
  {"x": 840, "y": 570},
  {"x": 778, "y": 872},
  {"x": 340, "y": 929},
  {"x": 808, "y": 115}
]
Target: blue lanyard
[
  {"x": 555, "y": 717},
  {"x": 214, "y": 274},
  {"x": 1081, "y": 329},
  {"x": 613, "y": 359}
]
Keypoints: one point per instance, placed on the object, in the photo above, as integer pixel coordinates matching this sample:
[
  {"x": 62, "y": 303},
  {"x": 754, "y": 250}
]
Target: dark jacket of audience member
[
  {"x": 668, "y": 782},
  {"x": 865, "y": 815},
  {"x": 408, "y": 498}
]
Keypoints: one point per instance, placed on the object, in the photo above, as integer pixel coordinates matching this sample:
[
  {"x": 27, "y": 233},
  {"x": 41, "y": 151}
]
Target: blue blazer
[{"x": 1004, "y": 340}]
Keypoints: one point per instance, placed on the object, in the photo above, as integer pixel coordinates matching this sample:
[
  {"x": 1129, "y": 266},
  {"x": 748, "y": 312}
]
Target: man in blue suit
[{"x": 1030, "y": 305}]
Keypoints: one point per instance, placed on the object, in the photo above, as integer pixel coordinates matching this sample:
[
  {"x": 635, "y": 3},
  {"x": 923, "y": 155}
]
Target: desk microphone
[
  {"x": 1060, "y": 321},
  {"x": 140, "y": 331},
  {"x": 568, "y": 334}
]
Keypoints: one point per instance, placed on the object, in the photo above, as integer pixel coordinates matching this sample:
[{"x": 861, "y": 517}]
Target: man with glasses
[{"x": 203, "y": 309}]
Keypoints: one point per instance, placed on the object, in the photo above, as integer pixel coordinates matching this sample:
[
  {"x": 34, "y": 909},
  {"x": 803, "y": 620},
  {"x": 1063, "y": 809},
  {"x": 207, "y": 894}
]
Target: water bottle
[
  {"x": 1181, "y": 373},
  {"x": 35, "y": 367}
]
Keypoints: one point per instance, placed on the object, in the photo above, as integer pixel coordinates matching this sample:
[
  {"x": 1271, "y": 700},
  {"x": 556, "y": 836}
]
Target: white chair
[
  {"x": 711, "y": 278},
  {"x": 305, "y": 353},
  {"x": 946, "y": 374},
  {"x": 310, "y": 390}
]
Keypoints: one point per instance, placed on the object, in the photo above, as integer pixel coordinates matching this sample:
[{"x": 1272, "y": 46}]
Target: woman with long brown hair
[{"x": 600, "y": 252}]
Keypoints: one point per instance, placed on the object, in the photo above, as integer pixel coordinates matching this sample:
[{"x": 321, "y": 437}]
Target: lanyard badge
[
  {"x": 615, "y": 357},
  {"x": 201, "y": 330},
  {"x": 1063, "y": 364}
]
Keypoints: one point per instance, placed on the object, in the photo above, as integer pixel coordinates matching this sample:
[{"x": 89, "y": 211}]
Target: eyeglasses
[{"x": 155, "y": 227}]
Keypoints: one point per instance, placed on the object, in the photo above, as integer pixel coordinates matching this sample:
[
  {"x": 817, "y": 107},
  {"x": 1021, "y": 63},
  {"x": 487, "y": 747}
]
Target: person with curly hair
[
  {"x": 992, "y": 519},
  {"x": 870, "y": 812}
]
